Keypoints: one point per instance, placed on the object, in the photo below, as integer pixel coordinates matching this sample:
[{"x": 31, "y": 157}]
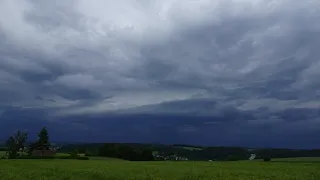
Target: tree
[
  {"x": 43, "y": 139},
  {"x": 266, "y": 154},
  {"x": 16, "y": 144},
  {"x": 126, "y": 152},
  {"x": 267, "y": 158},
  {"x": 74, "y": 153},
  {"x": 146, "y": 155}
]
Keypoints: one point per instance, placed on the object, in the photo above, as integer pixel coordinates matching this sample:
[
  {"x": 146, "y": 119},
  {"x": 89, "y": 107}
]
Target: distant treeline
[
  {"x": 143, "y": 152},
  {"x": 285, "y": 153},
  {"x": 126, "y": 152},
  {"x": 112, "y": 150}
]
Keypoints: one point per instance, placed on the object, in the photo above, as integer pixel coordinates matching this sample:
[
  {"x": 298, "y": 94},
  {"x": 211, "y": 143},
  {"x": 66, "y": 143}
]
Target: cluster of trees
[
  {"x": 144, "y": 151},
  {"x": 16, "y": 144},
  {"x": 136, "y": 152},
  {"x": 285, "y": 153},
  {"x": 126, "y": 152},
  {"x": 205, "y": 153},
  {"x": 131, "y": 152}
]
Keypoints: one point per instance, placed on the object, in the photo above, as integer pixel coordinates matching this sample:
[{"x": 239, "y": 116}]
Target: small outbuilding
[{"x": 48, "y": 152}]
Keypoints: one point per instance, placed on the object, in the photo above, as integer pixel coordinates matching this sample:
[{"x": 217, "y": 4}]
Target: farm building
[{"x": 43, "y": 152}]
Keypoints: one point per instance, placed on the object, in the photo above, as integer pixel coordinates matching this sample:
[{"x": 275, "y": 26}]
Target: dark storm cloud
[{"x": 246, "y": 64}]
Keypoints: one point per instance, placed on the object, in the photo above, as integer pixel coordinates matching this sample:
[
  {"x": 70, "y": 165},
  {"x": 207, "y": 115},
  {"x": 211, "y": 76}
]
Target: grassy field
[
  {"x": 107, "y": 168},
  {"x": 113, "y": 170}
]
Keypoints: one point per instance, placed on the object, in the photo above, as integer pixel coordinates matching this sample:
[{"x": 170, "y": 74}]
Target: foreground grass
[{"x": 113, "y": 170}]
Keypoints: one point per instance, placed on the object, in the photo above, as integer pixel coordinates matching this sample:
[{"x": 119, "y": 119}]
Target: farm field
[{"x": 113, "y": 170}]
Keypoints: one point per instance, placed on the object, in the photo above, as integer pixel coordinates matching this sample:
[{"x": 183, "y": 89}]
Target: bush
[
  {"x": 54, "y": 157},
  {"x": 65, "y": 157},
  {"x": 74, "y": 154},
  {"x": 36, "y": 157},
  {"x": 73, "y": 157},
  {"x": 267, "y": 159},
  {"x": 83, "y": 158},
  {"x": 3, "y": 149}
]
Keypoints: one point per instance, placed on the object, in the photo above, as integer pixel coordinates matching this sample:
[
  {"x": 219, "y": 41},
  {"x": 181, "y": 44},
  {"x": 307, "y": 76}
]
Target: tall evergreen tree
[{"x": 43, "y": 139}]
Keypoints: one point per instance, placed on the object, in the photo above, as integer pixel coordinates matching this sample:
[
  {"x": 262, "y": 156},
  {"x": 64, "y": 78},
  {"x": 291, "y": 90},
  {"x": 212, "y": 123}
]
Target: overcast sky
[{"x": 254, "y": 62}]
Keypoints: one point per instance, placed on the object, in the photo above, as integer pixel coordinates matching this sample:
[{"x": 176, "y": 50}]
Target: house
[
  {"x": 169, "y": 158},
  {"x": 48, "y": 152},
  {"x": 252, "y": 157}
]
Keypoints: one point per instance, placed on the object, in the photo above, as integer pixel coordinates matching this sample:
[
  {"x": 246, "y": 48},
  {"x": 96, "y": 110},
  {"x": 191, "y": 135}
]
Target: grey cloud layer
[{"x": 73, "y": 54}]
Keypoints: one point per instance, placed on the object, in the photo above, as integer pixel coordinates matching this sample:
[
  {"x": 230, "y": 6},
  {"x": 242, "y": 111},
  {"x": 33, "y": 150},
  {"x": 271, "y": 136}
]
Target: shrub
[
  {"x": 73, "y": 157},
  {"x": 267, "y": 159},
  {"x": 53, "y": 157},
  {"x": 36, "y": 157},
  {"x": 74, "y": 154},
  {"x": 83, "y": 158},
  {"x": 65, "y": 157}
]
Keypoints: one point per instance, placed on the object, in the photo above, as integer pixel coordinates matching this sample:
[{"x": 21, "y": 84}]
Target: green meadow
[{"x": 113, "y": 169}]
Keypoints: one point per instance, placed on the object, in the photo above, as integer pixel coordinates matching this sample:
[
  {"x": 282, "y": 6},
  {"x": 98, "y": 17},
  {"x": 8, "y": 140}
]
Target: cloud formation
[{"x": 255, "y": 58}]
